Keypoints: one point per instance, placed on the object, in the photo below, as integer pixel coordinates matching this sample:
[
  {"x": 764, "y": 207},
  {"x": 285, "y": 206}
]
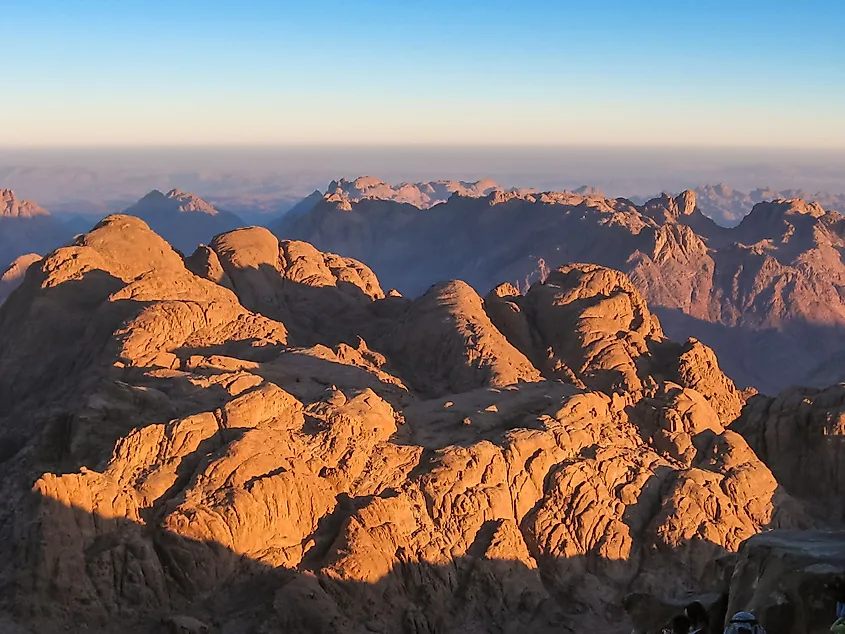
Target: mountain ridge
[{"x": 768, "y": 276}]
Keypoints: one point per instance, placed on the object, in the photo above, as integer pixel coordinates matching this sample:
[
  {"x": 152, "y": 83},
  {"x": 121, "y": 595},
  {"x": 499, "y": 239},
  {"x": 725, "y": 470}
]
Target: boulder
[{"x": 789, "y": 579}]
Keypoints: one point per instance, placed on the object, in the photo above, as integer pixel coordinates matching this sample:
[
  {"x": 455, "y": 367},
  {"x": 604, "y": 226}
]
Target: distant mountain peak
[
  {"x": 666, "y": 208},
  {"x": 767, "y": 212},
  {"x": 174, "y": 201},
  {"x": 423, "y": 194},
  {"x": 13, "y": 207},
  {"x": 588, "y": 190}
]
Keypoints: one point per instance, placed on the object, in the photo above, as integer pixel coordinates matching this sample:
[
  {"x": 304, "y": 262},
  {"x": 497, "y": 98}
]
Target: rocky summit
[{"x": 259, "y": 438}]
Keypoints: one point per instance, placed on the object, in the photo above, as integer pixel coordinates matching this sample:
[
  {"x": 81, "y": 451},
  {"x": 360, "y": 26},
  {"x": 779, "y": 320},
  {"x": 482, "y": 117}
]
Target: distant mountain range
[
  {"x": 767, "y": 293},
  {"x": 183, "y": 219},
  {"x": 422, "y": 195},
  {"x": 26, "y": 228},
  {"x": 727, "y": 207},
  {"x": 722, "y": 204}
]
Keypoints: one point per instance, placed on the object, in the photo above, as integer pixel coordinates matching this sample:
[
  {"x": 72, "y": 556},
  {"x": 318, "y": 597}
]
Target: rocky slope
[
  {"x": 257, "y": 438},
  {"x": 767, "y": 295},
  {"x": 183, "y": 219},
  {"x": 27, "y": 228}
]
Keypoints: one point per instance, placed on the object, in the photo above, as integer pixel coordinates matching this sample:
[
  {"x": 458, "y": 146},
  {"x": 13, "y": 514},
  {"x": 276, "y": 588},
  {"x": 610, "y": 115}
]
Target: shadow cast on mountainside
[
  {"x": 307, "y": 373},
  {"x": 463, "y": 419},
  {"x": 769, "y": 360},
  {"x": 328, "y": 314},
  {"x": 420, "y": 253},
  {"x": 111, "y": 574}
]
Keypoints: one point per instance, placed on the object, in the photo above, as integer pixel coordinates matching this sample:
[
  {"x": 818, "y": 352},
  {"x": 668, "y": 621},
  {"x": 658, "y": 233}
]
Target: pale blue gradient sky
[{"x": 600, "y": 72}]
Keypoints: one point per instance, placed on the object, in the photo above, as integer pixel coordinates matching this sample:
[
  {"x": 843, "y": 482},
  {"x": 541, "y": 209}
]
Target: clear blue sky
[{"x": 604, "y": 72}]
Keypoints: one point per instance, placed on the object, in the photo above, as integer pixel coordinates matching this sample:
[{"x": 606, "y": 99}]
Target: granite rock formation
[{"x": 258, "y": 438}]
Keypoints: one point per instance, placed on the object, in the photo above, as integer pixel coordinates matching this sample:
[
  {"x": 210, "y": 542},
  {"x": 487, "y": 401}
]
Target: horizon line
[{"x": 421, "y": 145}]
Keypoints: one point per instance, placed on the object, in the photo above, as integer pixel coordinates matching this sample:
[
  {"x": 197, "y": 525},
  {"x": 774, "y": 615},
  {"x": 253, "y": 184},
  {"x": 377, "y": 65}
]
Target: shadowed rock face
[
  {"x": 256, "y": 438},
  {"x": 766, "y": 295},
  {"x": 13, "y": 276},
  {"x": 801, "y": 436},
  {"x": 789, "y": 579}
]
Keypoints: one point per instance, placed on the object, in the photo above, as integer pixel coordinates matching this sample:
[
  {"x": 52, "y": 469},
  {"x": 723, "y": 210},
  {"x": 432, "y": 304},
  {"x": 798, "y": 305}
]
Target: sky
[{"x": 738, "y": 73}]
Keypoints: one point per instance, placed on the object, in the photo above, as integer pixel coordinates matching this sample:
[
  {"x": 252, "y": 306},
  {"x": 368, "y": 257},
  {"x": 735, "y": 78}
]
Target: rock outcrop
[
  {"x": 790, "y": 580},
  {"x": 468, "y": 351},
  {"x": 798, "y": 436},
  {"x": 321, "y": 297}
]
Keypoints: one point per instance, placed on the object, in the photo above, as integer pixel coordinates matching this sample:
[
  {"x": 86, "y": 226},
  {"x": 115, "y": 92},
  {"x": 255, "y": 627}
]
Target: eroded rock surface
[
  {"x": 801, "y": 436},
  {"x": 257, "y": 439}
]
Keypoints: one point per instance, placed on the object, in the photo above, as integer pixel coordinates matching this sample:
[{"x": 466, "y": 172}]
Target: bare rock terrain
[{"x": 258, "y": 438}]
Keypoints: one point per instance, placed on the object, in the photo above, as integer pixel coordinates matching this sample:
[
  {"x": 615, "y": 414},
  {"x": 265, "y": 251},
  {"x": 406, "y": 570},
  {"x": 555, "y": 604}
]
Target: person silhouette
[
  {"x": 699, "y": 618},
  {"x": 679, "y": 624}
]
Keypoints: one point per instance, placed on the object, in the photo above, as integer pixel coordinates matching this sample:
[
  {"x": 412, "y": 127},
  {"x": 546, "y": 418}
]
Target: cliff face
[
  {"x": 767, "y": 295},
  {"x": 258, "y": 438}
]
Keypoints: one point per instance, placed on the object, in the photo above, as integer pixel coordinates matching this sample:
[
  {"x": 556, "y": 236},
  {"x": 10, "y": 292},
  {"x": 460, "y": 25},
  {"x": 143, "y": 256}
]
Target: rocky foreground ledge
[
  {"x": 787, "y": 578},
  {"x": 258, "y": 438}
]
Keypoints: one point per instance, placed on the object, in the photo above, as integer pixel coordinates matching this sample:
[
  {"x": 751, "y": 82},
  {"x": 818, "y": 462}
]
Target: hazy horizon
[{"x": 271, "y": 179}]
